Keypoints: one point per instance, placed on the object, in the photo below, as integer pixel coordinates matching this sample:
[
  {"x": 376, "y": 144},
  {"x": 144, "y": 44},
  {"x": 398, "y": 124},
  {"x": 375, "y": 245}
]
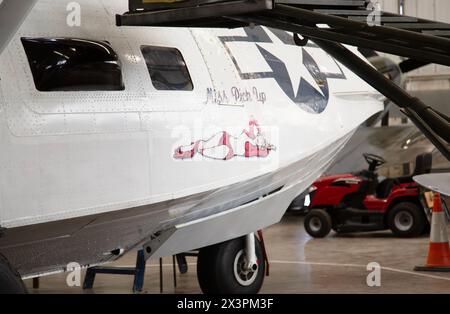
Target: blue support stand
[
  {"x": 182, "y": 263},
  {"x": 138, "y": 272}
]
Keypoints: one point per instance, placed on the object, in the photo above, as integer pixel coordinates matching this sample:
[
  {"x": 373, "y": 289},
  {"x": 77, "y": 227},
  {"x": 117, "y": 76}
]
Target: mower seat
[
  {"x": 428, "y": 164},
  {"x": 385, "y": 188},
  {"x": 424, "y": 163}
]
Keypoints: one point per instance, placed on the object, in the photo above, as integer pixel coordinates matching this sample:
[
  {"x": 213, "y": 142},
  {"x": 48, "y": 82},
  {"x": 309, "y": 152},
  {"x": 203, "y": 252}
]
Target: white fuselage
[{"x": 68, "y": 155}]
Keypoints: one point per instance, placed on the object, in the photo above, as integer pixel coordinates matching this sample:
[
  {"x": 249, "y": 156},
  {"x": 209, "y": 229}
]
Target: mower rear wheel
[
  {"x": 318, "y": 223},
  {"x": 406, "y": 220}
]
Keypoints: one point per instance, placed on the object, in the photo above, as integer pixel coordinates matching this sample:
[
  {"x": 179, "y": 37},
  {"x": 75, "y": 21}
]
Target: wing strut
[{"x": 434, "y": 125}]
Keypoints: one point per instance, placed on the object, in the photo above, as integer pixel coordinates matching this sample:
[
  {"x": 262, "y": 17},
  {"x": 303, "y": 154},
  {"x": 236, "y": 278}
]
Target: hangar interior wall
[
  {"x": 430, "y": 83},
  {"x": 438, "y": 10}
]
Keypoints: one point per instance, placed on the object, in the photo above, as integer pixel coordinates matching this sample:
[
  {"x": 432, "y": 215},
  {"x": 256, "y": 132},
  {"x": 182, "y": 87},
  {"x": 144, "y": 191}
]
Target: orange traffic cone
[{"x": 439, "y": 251}]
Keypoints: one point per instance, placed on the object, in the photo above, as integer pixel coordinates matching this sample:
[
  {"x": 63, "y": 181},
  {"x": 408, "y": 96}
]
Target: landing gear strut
[
  {"x": 250, "y": 253},
  {"x": 233, "y": 267}
]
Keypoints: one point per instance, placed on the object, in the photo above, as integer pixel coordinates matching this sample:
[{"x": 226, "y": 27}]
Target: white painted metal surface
[
  {"x": 70, "y": 155},
  {"x": 249, "y": 217},
  {"x": 12, "y": 14},
  {"x": 67, "y": 154},
  {"x": 439, "y": 182}
]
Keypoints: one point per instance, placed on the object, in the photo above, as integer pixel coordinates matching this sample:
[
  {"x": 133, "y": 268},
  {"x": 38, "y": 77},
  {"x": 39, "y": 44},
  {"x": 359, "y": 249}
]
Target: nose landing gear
[{"x": 233, "y": 267}]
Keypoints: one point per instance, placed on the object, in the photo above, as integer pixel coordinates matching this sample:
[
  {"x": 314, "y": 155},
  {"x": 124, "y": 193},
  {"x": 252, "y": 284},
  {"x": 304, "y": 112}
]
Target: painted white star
[{"x": 292, "y": 56}]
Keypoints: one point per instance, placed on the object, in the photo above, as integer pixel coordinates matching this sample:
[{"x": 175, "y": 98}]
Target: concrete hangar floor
[{"x": 299, "y": 264}]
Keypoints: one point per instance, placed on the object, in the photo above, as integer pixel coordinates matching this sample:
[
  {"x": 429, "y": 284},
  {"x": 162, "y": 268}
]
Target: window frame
[
  {"x": 88, "y": 44},
  {"x": 185, "y": 66}
]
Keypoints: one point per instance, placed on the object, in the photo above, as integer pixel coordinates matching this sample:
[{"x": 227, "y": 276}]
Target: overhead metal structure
[
  {"x": 330, "y": 24},
  {"x": 350, "y": 22}
]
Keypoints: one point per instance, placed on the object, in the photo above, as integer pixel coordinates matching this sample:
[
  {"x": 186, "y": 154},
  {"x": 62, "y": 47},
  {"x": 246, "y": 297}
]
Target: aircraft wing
[
  {"x": 12, "y": 14},
  {"x": 396, "y": 144},
  {"x": 439, "y": 182}
]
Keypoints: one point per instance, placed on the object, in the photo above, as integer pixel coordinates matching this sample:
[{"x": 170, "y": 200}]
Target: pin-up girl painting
[{"x": 249, "y": 143}]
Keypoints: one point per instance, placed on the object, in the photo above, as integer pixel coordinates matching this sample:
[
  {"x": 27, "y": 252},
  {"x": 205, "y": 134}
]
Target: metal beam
[
  {"x": 207, "y": 11},
  {"x": 335, "y": 21},
  {"x": 350, "y": 39}
]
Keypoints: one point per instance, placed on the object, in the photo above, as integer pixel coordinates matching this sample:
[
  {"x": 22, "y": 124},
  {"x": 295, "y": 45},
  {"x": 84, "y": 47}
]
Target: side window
[
  {"x": 63, "y": 64},
  {"x": 167, "y": 68}
]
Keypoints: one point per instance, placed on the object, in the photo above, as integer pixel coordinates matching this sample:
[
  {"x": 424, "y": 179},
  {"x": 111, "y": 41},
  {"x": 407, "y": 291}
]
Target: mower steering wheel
[{"x": 374, "y": 161}]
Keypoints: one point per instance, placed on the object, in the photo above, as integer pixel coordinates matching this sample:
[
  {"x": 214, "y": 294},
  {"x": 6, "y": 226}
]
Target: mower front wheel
[{"x": 318, "y": 223}]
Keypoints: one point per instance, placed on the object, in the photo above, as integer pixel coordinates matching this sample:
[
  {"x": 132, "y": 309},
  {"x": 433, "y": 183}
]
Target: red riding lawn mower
[{"x": 359, "y": 202}]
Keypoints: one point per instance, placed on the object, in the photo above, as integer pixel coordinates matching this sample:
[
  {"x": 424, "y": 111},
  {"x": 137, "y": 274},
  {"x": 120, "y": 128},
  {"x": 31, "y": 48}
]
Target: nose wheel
[
  {"x": 244, "y": 274},
  {"x": 226, "y": 268}
]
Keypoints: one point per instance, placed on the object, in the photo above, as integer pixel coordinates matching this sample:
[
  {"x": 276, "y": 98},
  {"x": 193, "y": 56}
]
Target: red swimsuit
[{"x": 251, "y": 150}]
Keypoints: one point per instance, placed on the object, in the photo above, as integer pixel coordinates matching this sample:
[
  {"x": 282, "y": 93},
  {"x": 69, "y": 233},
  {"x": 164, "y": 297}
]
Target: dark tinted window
[
  {"x": 167, "y": 68},
  {"x": 62, "y": 64}
]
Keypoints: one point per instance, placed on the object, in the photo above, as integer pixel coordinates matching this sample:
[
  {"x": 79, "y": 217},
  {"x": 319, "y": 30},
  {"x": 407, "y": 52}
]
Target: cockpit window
[
  {"x": 65, "y": 64},
  {"x": 167, "y": 68}
]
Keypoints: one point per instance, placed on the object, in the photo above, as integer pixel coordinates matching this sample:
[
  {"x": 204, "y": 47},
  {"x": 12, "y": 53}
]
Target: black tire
[
  {"x": 10, "y": 280},
  {"x": 318, "y": 223},
  {"x": 216, "y": 269},
  {"x": 407, "y": 220}
]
